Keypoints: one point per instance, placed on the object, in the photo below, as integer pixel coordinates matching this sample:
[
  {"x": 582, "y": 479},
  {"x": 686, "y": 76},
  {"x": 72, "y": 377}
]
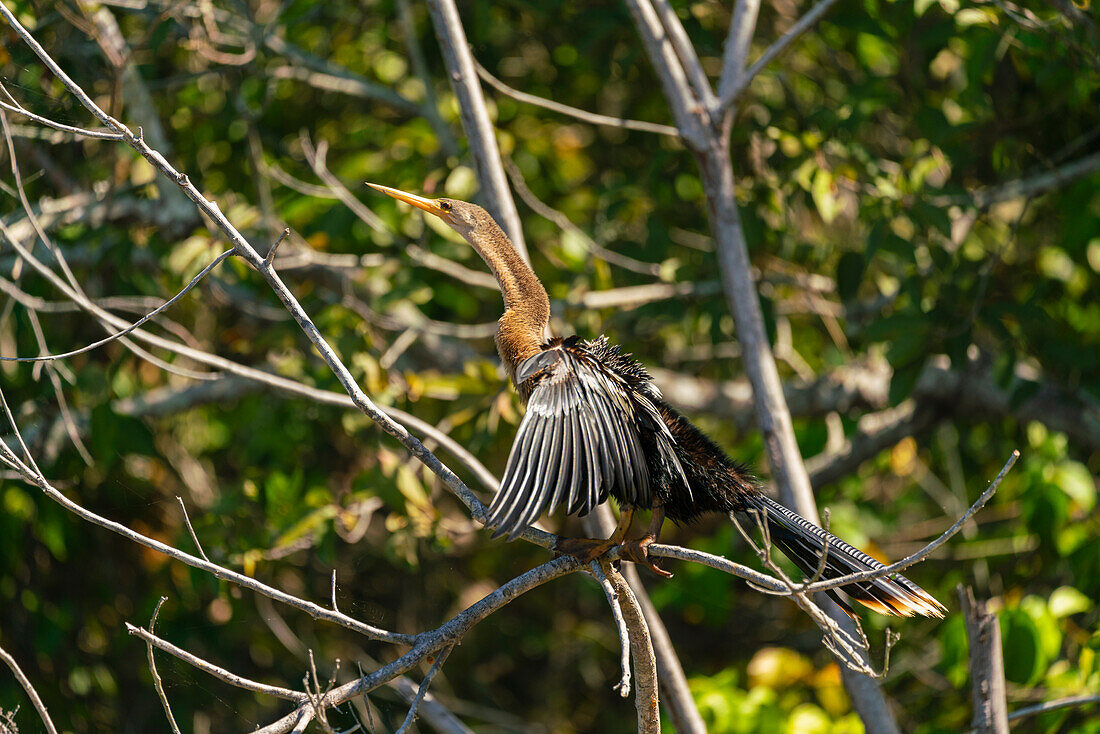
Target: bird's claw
[{"x": 637, "y": 551}]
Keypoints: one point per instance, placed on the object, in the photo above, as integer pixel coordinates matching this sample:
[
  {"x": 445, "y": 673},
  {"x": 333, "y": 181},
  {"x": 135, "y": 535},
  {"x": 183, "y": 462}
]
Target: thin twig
[
  {"x": 134, "y": 326},
  {"x": 593, "y": 118},
  {"x": 158, "y": 684},
  {"x": 623, "y": 686},
  {"x": 422, "y": 691},
  {"x": 930, "y": 547},
  {"x": 334, "y": 608},
  {"x": 32, "y": 694},
  {"x": 1046, "y": 706},
  {"x": 191, "y": 530},
  {"x": 216, "y": 671},
  {"x": 275, "y": 246}
]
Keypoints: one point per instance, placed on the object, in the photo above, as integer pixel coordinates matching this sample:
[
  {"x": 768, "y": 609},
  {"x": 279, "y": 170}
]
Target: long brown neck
[{"x": 522, "y": 328}]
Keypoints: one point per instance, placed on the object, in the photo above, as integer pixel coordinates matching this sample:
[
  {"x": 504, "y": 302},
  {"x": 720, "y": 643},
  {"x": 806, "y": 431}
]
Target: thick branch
[
  {"x": 987, "y": 673},
  {"x": 475, "y": 119},
  {"x": 641, "y": 649},
  {"x": 685, "y": 106}
]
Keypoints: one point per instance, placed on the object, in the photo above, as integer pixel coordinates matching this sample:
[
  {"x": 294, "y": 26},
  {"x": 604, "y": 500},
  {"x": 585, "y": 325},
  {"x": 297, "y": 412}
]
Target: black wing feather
[{"x": 582, "y": 436}]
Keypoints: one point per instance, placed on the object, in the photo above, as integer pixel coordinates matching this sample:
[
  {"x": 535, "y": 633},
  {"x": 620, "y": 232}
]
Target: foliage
[{"x": 859, "y": 152}]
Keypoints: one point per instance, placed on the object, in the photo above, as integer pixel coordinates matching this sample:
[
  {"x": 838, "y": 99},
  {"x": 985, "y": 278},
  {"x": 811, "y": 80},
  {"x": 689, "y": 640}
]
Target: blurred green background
[{"x": 902, "y": 286}]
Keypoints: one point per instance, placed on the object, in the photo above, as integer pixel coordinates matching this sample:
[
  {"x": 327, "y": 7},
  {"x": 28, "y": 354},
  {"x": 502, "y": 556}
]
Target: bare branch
[
  {"x": 547, "y": 212},
  {"x": 32, "y": 694},
  {"x": 430, "y": 108},
  {"x": 323, "y": 74},
  {"x": 1025, "y": 187},
  {"x": 194, "y": 537},
  {"x": 987, "y": 673},
  {"x": 429, "y": 642},
  {"x": 18, "y": 109},
  {"x": 316, "y": 157},
  {"x": 210, "y": 669},
  {"x": 455, "y": 270},
  {"x": 623, "y": 686},
  {"x": 685, "y": 52},
  {"x": 475, "y": 120},
  {"x": 686, "y": 109},
  {"x": 675, "y": 694},
  {"x": 440, "y": 657},
  {"x": 579, "y": 114},
  {"x": 930, "y": 547},
  {"x": 134, "y": 326},
  {"x": 270, "y": 257},
  {"x": 641, "y": 649},
  {"x": 1046, "y": 706},
  {"x": 738, "y": 40},
  {"x": 734, "y": 91},
  {"x": 875, "y": 432},
  {"x": 157, "y": 682}
]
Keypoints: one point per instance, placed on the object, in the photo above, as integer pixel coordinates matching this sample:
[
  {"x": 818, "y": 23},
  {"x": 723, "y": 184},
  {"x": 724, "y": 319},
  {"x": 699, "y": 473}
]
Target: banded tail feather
[{"x": 803, "y": 542}]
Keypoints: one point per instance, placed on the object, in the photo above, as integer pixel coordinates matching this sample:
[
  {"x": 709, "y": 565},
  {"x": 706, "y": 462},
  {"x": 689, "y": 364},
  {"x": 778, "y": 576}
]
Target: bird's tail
[{"x": 804, "y": 543}]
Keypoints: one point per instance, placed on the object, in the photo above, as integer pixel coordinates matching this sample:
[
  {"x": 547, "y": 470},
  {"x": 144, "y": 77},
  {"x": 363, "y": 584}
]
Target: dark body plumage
[
  {"x": 596, "y": 426},
  {"x": 616, "y": 436}
]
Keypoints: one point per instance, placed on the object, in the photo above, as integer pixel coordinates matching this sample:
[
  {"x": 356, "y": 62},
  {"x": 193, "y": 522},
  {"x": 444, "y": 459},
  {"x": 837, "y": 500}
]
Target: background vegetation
[{"x": 920, "y": 191}]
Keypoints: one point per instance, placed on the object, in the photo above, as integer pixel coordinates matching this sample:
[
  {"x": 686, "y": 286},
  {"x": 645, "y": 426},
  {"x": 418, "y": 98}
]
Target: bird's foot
[
  {"x": 584, "y": 550},
  {"x": 637, "y": 551}
]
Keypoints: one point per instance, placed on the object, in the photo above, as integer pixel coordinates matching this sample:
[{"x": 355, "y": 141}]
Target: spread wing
[{"x": 584, "y": 435}]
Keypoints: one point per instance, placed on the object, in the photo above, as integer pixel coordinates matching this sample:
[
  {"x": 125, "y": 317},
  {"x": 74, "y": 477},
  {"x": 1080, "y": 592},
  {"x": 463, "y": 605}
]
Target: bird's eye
[{"x": 445, "y": 206}]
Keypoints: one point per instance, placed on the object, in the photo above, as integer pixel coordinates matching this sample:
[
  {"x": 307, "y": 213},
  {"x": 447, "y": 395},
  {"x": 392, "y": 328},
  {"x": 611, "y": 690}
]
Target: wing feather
[{"x": 581, "y": 437}]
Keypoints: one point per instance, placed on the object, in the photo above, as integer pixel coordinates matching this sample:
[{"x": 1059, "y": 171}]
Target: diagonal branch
[
  {"x": 686, "y": 109},
  {"x": 32, "y": 694},
  {"x": 685, "y": 52},
  {"x": 210, "y": 669},
  {"x": 475, "y": 119},
  {"x": 737, "y": 87},
  {"x": 579, "y": 114},
  {"x": 742, "y": 28}
]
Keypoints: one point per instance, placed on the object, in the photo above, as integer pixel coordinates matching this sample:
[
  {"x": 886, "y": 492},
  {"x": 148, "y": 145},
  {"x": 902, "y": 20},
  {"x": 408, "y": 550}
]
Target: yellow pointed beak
[{"x": 419, "y": 202}]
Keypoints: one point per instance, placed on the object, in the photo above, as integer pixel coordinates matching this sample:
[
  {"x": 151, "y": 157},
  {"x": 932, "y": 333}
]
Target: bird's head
[{"x": 461, "y": 216}]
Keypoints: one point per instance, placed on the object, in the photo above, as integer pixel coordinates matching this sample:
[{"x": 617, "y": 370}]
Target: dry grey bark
[{"x": 987, "y": 675}]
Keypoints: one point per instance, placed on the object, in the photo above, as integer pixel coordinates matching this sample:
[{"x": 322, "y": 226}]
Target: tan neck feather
[{"x": 522, "y": 328}]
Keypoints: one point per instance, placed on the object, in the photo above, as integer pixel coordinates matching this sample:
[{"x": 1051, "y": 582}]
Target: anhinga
[{"x": 596, "y": 425}]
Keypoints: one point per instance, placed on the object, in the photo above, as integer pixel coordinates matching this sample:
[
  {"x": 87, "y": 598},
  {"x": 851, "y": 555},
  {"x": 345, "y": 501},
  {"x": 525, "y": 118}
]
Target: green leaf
[
  {"x": 849, "y": 274},
  {"x": 1023, "y": 651},
  {"x": 824, "y": 195},
  {"x": 1066, "y": 601},
  {"x": 1076, "y": 481}
]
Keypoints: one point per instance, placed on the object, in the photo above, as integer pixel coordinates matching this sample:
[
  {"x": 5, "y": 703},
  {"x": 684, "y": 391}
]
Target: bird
[{"x": 596, "y": 426}]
